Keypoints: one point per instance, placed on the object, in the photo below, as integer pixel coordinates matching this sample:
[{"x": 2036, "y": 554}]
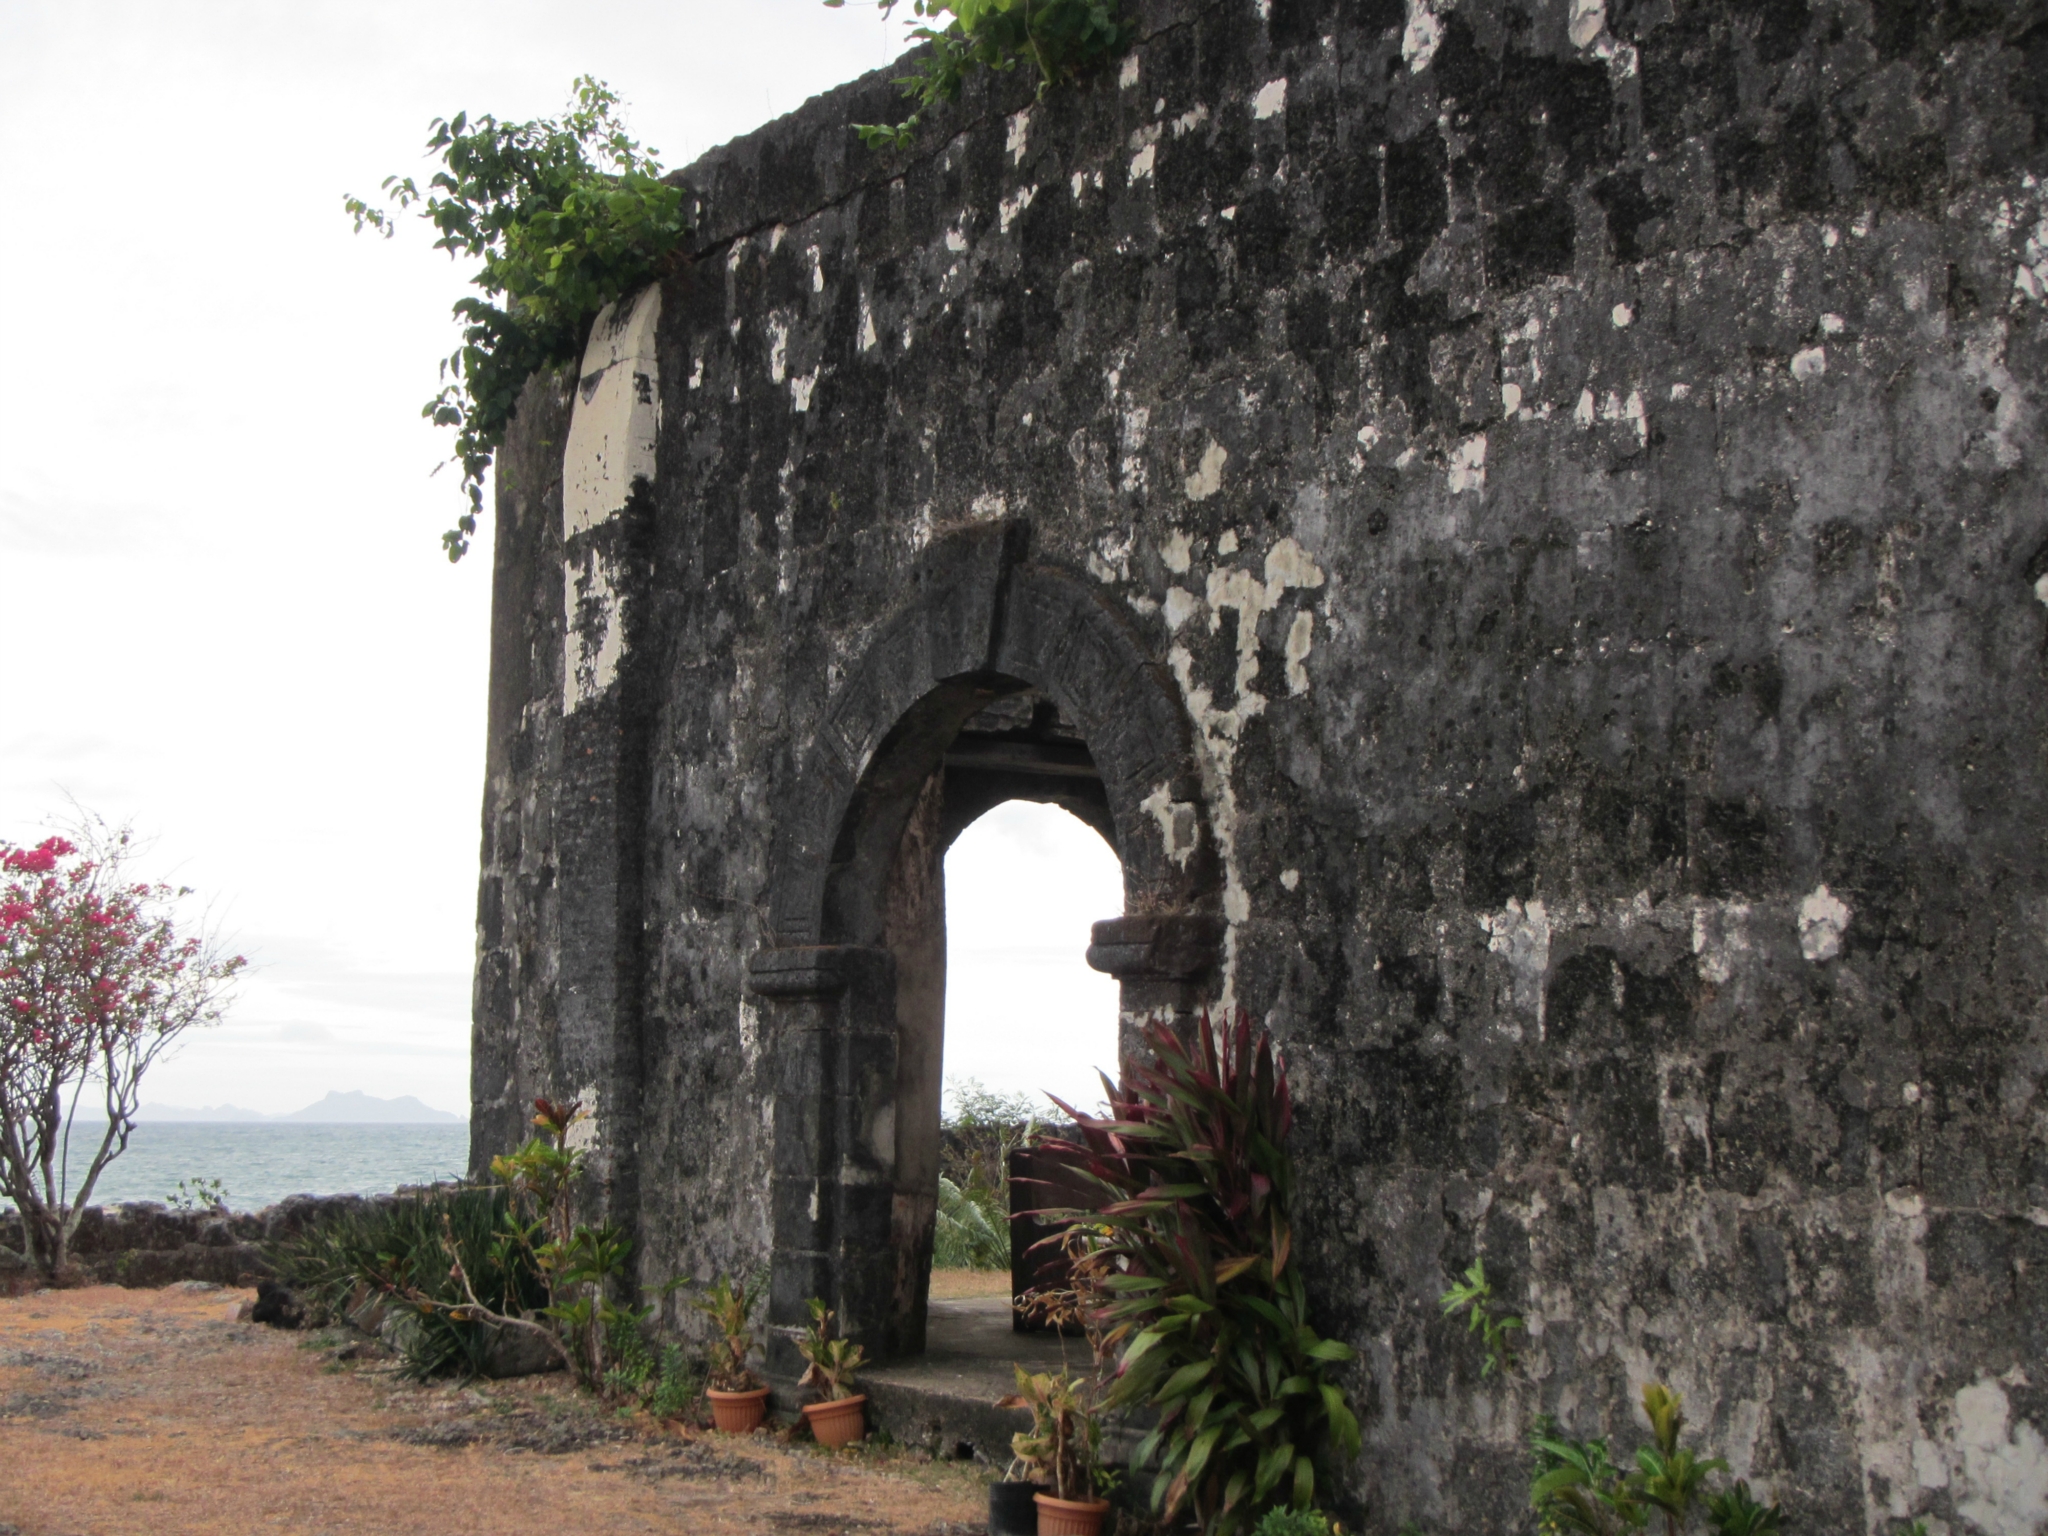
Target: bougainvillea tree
[{"x": 97, "y": 980}]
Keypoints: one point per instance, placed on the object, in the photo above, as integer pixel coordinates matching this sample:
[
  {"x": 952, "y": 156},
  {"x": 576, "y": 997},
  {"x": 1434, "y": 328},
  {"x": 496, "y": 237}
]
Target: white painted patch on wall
[
  {"x": 2004, "y": 1471},
  {"x": 1208, "y": 476},
  {"x": 1521, "y": 934},
  {"x": 1809, "y": 363},
  {"x": 1422, "y": 36},
  {"x": 1588, "y": 21},
  {"x": 616, "y": 416},
  {"x": 1271, "y": 100},
  {"x": 595, "y": 640},
  {"x": 1823, "y": 917},
  {"x": 1468, "y": 465}
]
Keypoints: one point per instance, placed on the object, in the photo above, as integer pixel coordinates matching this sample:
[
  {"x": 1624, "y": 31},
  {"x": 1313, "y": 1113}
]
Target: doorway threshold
[{"x": 944, "y": 1399}]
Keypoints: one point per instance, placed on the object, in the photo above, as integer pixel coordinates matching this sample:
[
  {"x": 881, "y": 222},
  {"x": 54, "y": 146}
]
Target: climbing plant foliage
[
  {"x": 1060, "y": 40},
  {"x": 565, "y": 215}
]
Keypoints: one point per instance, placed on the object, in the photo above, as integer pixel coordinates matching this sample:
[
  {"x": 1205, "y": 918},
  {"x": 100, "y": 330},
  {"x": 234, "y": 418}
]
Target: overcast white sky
[{"x": 219, "y": 568}]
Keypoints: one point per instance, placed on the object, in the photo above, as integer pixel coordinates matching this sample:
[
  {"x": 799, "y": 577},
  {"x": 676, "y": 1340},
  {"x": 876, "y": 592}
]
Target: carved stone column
[{"x": 1165, "y": 961}]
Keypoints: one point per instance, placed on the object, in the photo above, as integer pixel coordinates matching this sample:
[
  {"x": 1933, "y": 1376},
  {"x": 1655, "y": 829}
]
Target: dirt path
[{"x": 152, "y": 1411}]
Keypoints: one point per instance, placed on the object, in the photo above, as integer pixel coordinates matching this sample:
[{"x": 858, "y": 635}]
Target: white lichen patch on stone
[
  {"x": 1180, "y": 606},
  {"x": 1013, "y": 205},
  {"x": 595, "y": 638},
  {"x": 1208, "y": 476},
  {"x": 1468, "y": 466},
  {"x": 1180, "y": 829},
  {"x": 1999, "y": 1470},
  {"x": 1290, "y": 879},
  {"x": 616, "y": 416},
  {"x": 1019, "y": 136},
  {"x": 1177, "y": 551},
  {"x": 1823, "y": 917},
  {"x": 586, "y": 1131},
  {"x": 1300, "y": 639},
  {"x": 1141, "y": 163},
  {"x": 1271, "y": 100},
  {"x": 1421, "y": 36},
  {"x": 1623, "y": 317},
  {"x": 1127, "y": 79},
  {"x": 778, "y": 349},
  {"x": 800, "y": 391},
  {"x": 1720, "y": 933},
  {"x": 1190, "y": 120},
  {"x": 868, "y": 338},
  {"x": 989, "y": 505},
  {"x": 1809, "y": 363},
  {"x": 1521, "y": 935},
  {"x": 1588, "y": 21}
]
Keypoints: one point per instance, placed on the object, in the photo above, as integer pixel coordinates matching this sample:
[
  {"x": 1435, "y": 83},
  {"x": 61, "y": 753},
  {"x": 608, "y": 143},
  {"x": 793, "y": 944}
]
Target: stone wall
[
  {"x": 143, "y": 1244},
  {"x": 1575, "y": 471}
]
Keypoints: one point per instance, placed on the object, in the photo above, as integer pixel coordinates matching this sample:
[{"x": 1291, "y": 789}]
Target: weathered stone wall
[
  {"x": 1581, "y": 468},
  {"x": 141, "y": 1243}
]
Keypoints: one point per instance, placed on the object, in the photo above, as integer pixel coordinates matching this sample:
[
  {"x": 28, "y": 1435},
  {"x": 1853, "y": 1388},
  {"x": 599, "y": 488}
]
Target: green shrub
[
  {"x": 1058, "y": 40},
  {"x": 399, "y": 1250},
  {"x": 565, "y": 215},
  {"x": 1293, "y": 1522}
]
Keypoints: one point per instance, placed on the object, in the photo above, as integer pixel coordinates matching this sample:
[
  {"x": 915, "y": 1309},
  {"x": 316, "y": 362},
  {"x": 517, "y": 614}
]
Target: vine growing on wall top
[
  {"x": 1060, "y": 39},
  {"x": 566, "y": 215}
]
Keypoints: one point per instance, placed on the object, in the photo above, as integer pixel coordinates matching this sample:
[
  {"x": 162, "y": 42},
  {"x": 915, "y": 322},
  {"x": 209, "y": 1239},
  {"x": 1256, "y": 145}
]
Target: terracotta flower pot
[
  {"x": 738, "y": 1413},
  {"x": 1069, "y": 1517},
  {"x": 837, "y": 1423}
]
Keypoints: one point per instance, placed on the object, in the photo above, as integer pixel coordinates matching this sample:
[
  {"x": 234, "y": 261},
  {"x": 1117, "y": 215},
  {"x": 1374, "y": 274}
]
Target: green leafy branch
[
  {"x": 1060, "y": 39},
  {"x": 566, "y": 215},
  {"x": 1474, "y": 1297}
]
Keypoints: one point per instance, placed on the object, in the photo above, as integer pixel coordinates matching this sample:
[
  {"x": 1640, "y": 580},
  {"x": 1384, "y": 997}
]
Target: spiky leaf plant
[{"x": 1200, "y": 1297}]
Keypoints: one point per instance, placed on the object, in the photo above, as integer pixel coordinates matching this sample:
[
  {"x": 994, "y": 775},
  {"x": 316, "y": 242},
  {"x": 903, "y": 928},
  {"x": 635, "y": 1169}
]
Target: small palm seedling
[
  {"x": 1735, "y": 1513},
  {"x": 1474, "y": 1297},
  {"x": 1668, "y": 1476}
]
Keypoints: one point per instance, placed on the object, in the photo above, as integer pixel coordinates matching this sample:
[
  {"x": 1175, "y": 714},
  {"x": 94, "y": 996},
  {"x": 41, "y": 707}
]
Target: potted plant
[
  {"x": 837, "y": 1419},
  {"x": 1063, "y": 1449},
  {"x": 739, "y": 1399}
]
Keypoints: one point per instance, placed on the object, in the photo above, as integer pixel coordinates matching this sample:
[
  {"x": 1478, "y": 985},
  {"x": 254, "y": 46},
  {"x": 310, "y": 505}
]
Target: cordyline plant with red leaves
[
  {"x": 1193, "y": 1281},
  {"x": 96, "y": 981}
]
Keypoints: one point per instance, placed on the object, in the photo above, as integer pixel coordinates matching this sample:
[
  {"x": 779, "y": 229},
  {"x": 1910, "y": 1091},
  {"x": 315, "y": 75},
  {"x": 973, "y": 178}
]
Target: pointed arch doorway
[{"x": 998, "y": 679}]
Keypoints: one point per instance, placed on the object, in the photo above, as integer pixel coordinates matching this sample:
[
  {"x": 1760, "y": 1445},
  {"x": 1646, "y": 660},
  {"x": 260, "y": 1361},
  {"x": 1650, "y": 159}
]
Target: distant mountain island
[{"x": 335, "y": 1109}]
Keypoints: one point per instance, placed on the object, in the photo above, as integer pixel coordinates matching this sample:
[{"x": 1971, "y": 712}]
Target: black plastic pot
[{"x": 1010, "y": 1510}]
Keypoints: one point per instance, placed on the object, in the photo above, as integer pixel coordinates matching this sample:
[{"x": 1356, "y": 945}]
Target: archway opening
[
  {"x": 1010, "y": 837},
  {"x": 1025, "y": 1017}
]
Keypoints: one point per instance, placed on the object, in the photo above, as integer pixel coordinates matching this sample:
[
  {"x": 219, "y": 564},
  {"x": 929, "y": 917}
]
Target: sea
[{"x": 261, "y": 1164}]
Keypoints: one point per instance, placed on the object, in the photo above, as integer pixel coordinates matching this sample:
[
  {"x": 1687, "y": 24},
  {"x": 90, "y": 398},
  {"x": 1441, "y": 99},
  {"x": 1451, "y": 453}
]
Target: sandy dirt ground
[
  {"x": 155, "y": 1412},
  {"x": 959, "y": 1284}
]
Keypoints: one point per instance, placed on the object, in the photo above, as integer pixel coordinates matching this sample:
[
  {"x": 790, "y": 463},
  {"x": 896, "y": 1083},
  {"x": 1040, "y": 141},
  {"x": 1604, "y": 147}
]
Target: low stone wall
[{"x": 145, "y": 1244}]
